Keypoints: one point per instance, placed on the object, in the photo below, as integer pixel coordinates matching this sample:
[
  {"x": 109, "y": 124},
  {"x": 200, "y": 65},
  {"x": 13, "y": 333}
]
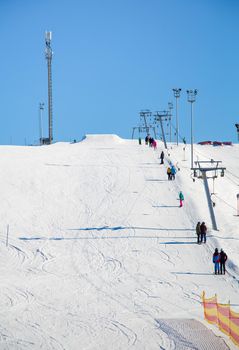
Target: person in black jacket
[
  {"x": 198, "y": 232},
  {"x": 162, "y": 157},
  {"x": 203, "y": 229},
  {"x": 223, "y": 259}
]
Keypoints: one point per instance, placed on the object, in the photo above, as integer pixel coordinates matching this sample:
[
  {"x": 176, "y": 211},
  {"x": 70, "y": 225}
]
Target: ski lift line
[
  {"x": 198, "y": 152},
  {"x": 231, "y": 180},
  {"x": 232, "y": 174},
  {"x": 229, "y": 205},
  {"x": 180, "y": 136}
]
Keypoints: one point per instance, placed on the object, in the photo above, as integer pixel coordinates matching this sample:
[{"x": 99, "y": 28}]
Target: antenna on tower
[{"x": 48, "y": 53}]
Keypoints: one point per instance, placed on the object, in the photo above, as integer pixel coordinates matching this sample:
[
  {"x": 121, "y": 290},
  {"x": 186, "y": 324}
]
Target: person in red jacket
[{"x": 223, "y": 259}]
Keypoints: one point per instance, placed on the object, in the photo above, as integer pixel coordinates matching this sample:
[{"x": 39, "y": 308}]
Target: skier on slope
[{"x": 181, "y": 198}]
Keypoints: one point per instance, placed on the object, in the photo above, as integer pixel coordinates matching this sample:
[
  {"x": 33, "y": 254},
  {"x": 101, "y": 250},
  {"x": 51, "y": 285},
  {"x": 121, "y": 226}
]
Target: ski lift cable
[
  {"x": 232, "y": 180},
  {"x": 180, "y": 136},
  {"x": 229, "y": 205},
  {"x": 228, "y": 171}
]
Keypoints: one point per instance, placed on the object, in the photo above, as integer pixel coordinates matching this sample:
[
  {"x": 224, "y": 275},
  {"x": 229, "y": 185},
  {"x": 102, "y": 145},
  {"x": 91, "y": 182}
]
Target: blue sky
[{"x": 113, "y": 58}]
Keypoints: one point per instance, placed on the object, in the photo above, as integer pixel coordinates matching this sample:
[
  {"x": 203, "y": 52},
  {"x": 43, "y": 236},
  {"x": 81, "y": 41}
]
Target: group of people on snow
[
  {"x": 201, "y": 231},
  {"x": 219, "y": 260},
  {"x": 150, "y": 141},
  {"x": 171, "y": 172}
]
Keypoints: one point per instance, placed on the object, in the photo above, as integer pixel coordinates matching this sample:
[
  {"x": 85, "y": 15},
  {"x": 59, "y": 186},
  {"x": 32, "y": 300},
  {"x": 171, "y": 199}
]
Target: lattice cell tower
[{"x": 48, "y": 52}]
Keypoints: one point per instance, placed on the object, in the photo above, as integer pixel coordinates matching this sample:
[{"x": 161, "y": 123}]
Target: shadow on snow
[{"x": 116, "y": 228}]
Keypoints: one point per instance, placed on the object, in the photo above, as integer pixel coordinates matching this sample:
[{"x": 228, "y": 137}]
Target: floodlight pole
[
  {"x": 191, "y": 98},
  {"x": 177, "y": 95},
  {"x": 170, "y": 107},
  {"x": 48, "y": 52}
]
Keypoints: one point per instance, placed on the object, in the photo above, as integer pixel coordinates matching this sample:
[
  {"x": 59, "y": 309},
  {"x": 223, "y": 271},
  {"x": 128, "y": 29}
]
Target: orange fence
[{"x": 222, "y": 316}]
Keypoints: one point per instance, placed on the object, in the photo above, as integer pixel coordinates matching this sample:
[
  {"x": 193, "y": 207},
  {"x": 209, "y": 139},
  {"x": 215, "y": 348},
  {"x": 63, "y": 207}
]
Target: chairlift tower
[
  {"x": 140, "y": 129},
  {"x": 145, "y": 123},
  {"x": 177, "y": 92},
  {"x": 203, "y": 167},
  {"x": 144, "y": 115},
  {"x": 48, "y": 53},
  {"x": 161, "y": 116}
]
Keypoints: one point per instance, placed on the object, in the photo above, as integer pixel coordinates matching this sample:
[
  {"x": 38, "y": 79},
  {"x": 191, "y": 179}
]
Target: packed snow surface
[{"x": 99, "y": 251}]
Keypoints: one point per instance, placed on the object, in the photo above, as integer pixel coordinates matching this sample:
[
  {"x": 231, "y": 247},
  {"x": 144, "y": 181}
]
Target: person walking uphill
[
  {"x": 162, "y": 157},
  {"x": 173, "y": 172},
  {"x": 216, "y": 260},
  {"x": 169, "y": 173},
  {"x": 223, "y": 259},
  {"x": 203, "y": 229},
  {"x": 198, "y": 232},
  {"x": 181, "y": 199},
  {"x": 154, "y": 144}
]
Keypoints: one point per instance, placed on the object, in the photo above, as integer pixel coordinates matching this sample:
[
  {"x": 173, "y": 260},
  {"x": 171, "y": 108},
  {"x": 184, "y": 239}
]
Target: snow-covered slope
[{"x": 99, "y": 250}]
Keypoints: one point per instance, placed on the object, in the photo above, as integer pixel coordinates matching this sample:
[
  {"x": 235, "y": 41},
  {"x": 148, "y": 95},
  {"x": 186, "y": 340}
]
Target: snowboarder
[
  {"x": 181, "y": 198},
  {"x": 146, "y": 140},
  {"x": 223, "y": 259},
  {"x": 203, "y": 229},
  {"x": 198, "y": 232},
  {"x": 169, "y": 173},
  {"x": 162, "y": 157},
  {"x": 216, "y": 259}
]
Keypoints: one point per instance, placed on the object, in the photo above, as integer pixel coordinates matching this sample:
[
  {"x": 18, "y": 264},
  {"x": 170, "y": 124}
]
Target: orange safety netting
[{"x": 222, "y": 315}]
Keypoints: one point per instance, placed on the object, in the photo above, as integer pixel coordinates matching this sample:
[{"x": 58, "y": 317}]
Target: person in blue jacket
[
  {"x": 216, "y": 261},
  {"x": 173, "y": 172}
]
